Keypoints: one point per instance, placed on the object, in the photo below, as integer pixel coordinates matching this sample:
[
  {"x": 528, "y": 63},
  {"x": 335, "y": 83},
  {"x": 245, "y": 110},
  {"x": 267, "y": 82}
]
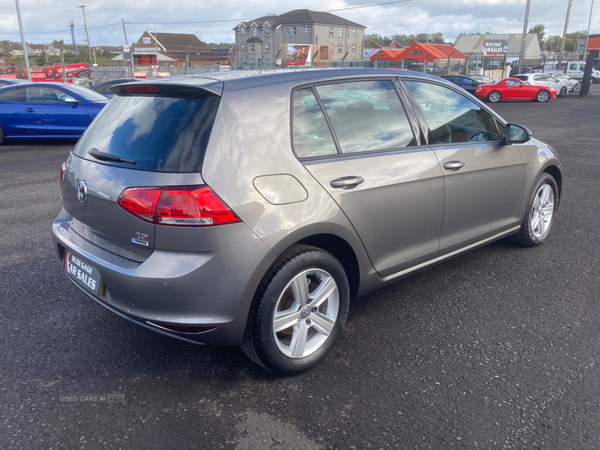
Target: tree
[{"x": 540, "y": 30}]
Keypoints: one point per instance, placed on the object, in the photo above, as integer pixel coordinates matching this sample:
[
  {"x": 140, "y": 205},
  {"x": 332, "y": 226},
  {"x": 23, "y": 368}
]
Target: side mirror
[
  {"x": 517, "y": 134},
  {"x": 70, "y": 100}
]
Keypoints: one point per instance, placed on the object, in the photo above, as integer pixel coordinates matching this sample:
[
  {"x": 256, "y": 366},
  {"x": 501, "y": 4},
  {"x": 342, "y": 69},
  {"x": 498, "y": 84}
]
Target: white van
[{"x": 575, "y": 70}]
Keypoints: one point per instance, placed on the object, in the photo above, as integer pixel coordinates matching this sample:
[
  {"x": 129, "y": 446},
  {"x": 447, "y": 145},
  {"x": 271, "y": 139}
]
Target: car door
[
  {"x": 467, "y": 84},
  {"x": 49, "y": 115},
  {"x": 483, "y": 178},
  {"x": 12, "y": 112},
  {"x": 364, "y": 148}
]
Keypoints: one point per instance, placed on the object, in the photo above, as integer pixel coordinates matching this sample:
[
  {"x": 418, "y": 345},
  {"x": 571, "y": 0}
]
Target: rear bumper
[{"x": 212, "y": 288}]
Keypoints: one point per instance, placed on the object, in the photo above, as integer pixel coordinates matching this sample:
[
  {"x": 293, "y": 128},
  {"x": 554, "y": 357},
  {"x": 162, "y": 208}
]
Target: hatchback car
[
  {"x": 469, "y": 84},
  {"x": 249, "y": 209},
  {"x": 47, "y": 110},
  {"x": 571, "y": 83},
  {"x": 542, "y": 79}
]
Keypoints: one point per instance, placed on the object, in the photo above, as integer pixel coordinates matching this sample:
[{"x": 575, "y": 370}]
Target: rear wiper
[{"x": 108, "y": 157}]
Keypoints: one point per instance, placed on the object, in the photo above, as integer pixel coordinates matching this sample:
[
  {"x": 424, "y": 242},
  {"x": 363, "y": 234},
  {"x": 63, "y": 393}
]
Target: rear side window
[
  {"x": 366, "y": 116},
  {"x": 160, "y": 134},
  {"x": 13, "y": 95},
  {"x": 312, "y": 137}
]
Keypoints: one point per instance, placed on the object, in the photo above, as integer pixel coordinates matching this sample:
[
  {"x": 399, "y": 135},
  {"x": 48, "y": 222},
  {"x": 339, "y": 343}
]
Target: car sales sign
[{"x": 495, "y": 47}]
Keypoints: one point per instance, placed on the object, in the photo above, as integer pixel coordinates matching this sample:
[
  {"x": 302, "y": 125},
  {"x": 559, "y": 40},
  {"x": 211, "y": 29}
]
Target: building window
[
  {"x": 243, "y": 60},
  {"x": 259, "y": 62},
  {"x": 267, "y": 62},
  {"x": 341, "y": 48},
  {"x": 244, "y": 47},
  {"x": 354, "y": 32},
  {"x": 197, "y": 64},
  {"x": 341, "y": 32},
  {"x": 287, "y": 31},
  {"x": 293, "y": 31},
  {"x": 242, "y": 31},
  {"x": 267, "y": 48},
  {"x": 306, "y": 29},
  {"x": 267, "y": 31},
  {"x": 354, "y": 48},
  {"x": 254, "y": 31},
  {"x": 251, "y": 60},
  {"x": 251, "y": 48},
  {"x": 259, "y": 48},
  {"x": 330, "y": 31}
]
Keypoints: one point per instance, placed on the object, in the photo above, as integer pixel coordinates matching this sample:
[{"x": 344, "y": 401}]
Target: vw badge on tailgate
[{"x": 82, "y": 191}]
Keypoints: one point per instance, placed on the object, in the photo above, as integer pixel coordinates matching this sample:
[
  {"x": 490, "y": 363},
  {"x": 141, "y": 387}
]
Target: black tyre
[
  {"x": 541, "y": 209},
  {"x": 593, "y": 81},
  {"x": 494, "y": 96},
  {"x": 563, "y": 92},
  {"x": 298, "y": 312},
  {"x": 542, "y": 96}
]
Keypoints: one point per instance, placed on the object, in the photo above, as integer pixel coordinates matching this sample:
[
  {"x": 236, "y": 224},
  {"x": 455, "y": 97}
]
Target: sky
[{"x": 45, "y": 21}]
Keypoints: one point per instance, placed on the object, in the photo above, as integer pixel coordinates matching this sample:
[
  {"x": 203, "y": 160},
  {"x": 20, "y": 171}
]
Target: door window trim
[{"x": 313, "y": 85}]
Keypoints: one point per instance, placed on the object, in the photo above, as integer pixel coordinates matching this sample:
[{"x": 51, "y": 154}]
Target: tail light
[
  {"x": 180, "y": 205},
  {"x": 63, "y": 168}
]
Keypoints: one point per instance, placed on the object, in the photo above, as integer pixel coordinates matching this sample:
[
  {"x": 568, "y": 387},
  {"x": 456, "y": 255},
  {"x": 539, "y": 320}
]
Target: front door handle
[
  {"x": 29, "y": 110},
  {"x": 454, "y": 165},
  {"x": 347, "y": 182}
]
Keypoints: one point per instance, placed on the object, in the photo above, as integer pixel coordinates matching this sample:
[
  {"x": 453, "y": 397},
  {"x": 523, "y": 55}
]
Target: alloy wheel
[
  {"x": 542, "y": 211},
  {"x": 306, "y": 313}
]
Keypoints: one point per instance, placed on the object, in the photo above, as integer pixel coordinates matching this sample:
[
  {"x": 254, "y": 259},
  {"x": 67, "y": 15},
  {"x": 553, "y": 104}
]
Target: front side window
[
  {"x": 512, "y": 83},
  {"x": 573, "y": 67},
  {"x": 312, "y": 137},
  {"x": 46, "y": 95},
  {"x": 330, "y": 31},
  {"x": 452, "y": 117},
  {"x": 366, "y": 116}
]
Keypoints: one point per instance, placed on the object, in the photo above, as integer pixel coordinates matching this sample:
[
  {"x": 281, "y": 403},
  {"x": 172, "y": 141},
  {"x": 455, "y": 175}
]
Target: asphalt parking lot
[{"x": 496, "y": 349}]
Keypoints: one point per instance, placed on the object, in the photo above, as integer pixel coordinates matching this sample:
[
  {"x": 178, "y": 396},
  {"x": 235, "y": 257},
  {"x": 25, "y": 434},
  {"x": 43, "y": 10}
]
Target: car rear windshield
[{"x": 159, "y": 134}]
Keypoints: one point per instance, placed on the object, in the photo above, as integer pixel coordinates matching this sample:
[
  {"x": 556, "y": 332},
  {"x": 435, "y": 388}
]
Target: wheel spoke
[
  {"x": 542, "y": 223},
  {"x": 323, "y": 292},
  {"x": 536, "y": 202},
  {"x": 535, "y": 222},
  {"x": 545, "y": 194},
  {"x": 299, "y": 340},
  {"x": 300, "y": 289},
  {"x": 285, "y": 319},
  {"x": 547, "y": 209},
  {"x": 323, "y": 323}
]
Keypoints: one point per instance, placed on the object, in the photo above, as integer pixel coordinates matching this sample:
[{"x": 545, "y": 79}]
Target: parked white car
[
  {"x": 576, "y": 69},
  {"x": 542, "y": 79},
  {"x": 572, "y": 83}
]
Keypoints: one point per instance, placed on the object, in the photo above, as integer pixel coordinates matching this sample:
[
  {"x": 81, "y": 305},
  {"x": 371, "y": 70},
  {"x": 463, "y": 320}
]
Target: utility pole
[
  {"x": 86, "y": 32},
  {"x": 130, "y": 51},
  {"x": 23, "y": 40},
  {"x": 562, "y": 42},
  {"x": 62, "y": 61},
  {"x": 524, "y": 38},
  {"x": 72, "y": 26},
  {"x": 587, "y": 36},
  {"x": 187, "y": 58}
]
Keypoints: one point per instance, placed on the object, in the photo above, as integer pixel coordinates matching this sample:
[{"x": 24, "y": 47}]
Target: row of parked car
[{"x": 531, "y": 86}]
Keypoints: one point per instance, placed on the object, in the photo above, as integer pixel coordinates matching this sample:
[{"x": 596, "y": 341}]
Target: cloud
[{"x": 449, "y": 16}]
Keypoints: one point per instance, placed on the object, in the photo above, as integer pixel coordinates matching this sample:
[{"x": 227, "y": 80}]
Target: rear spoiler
[{"x": 186, "y": 88}]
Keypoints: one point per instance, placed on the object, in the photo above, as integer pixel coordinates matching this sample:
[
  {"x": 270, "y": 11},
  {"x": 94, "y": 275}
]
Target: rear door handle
[
  {"x": 454, "y": 165},
  {"x": 346, "y": 182},
  {"x": 29, "y": 110}
]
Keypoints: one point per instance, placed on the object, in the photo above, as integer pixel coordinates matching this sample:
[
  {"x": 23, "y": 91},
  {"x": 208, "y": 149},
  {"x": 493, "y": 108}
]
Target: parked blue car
[
  {"x": 10, "y": 81},
  {"x": 47, "y": 110}
]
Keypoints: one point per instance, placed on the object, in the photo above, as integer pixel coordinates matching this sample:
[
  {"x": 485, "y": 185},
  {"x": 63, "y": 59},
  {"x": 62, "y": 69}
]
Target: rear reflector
[{"x": 181, "y": 205}]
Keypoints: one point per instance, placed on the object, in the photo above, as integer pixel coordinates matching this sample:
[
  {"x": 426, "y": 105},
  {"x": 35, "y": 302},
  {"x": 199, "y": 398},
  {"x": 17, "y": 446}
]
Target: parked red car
[{"x": 514, "y": 89}]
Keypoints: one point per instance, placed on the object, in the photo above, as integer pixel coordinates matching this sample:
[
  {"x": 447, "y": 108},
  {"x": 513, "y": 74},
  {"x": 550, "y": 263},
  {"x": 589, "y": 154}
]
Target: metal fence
[{"x": 101, "y": 74}]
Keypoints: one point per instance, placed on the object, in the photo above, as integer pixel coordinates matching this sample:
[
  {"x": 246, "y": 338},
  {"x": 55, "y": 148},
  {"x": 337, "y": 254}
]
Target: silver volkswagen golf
[{"x": 250, "y": 209}]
